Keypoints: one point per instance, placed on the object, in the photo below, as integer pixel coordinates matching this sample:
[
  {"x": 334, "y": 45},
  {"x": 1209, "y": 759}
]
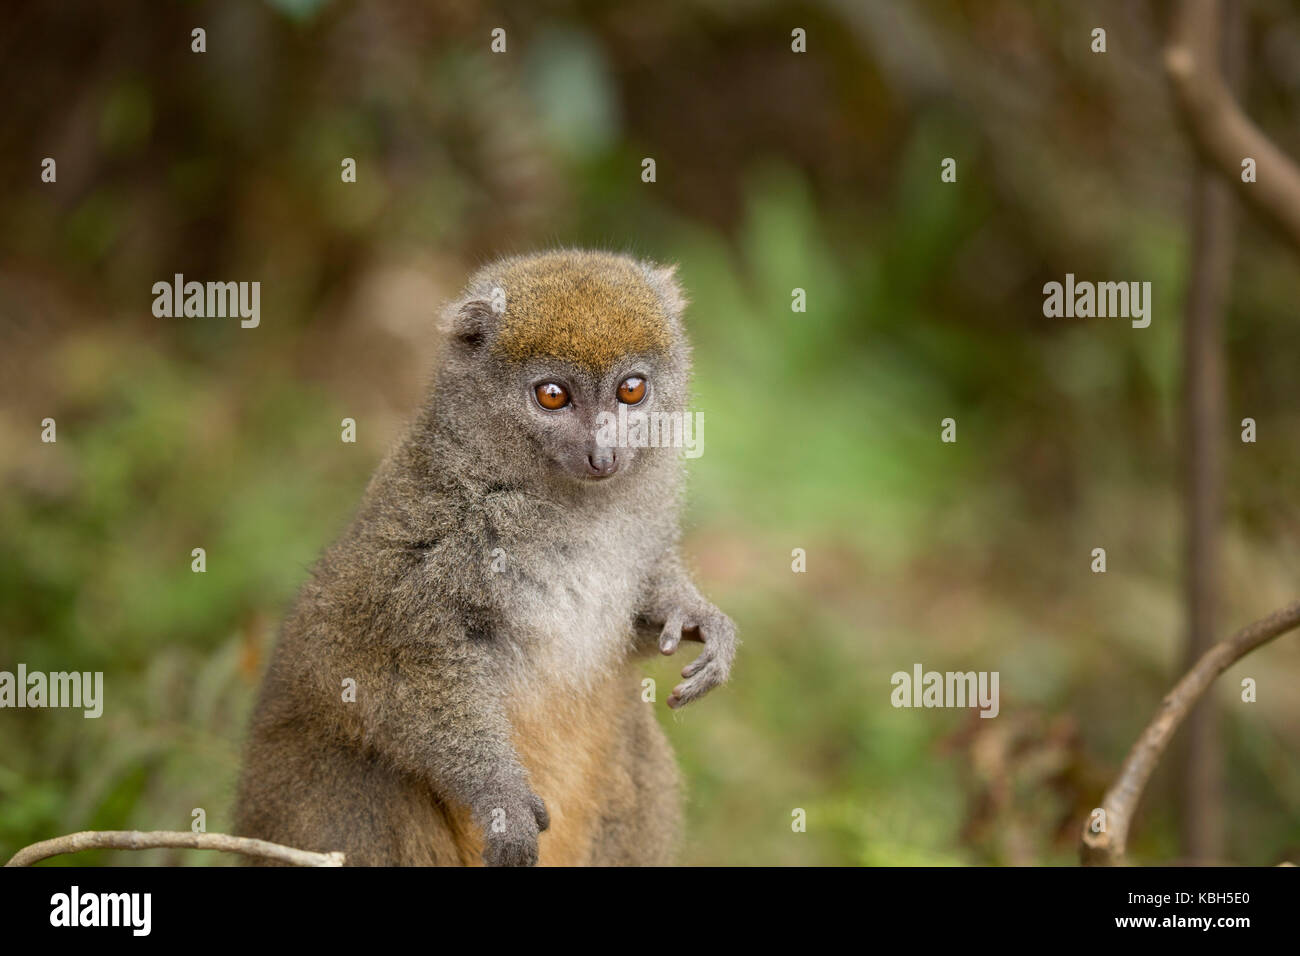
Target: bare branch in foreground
[
  {"x": 151, "y": 839},
  {"x": 1107, "y": 847},
  {"x": 1221, "y": 132}
]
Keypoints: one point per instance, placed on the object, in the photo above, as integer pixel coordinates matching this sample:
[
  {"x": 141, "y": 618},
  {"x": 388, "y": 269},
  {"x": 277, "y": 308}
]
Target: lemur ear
[
  {"x": 663, "y": 279},
  {"x": 471, "y": 322}
]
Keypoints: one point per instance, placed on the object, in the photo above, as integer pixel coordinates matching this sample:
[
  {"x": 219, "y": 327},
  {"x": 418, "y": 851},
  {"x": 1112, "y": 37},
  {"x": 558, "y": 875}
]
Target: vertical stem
[{"x": 1201, "y": 771}]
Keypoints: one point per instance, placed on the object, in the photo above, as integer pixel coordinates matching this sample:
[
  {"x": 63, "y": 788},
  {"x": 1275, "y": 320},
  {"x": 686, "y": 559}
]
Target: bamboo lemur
[{"x": 490, "y": 596}]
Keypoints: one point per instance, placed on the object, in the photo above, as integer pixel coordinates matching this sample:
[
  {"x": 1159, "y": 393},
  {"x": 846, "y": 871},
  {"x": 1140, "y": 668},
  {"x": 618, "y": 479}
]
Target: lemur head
[{"x": 553, "y": 351}]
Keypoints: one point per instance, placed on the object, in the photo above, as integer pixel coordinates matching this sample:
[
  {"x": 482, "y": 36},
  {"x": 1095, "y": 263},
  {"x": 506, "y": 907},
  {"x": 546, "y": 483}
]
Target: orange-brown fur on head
[{"x": 590, "y": 308}]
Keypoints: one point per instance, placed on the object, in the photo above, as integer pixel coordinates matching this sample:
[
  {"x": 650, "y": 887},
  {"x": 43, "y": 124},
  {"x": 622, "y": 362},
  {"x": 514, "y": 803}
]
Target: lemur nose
[{"x": 603, "y": 462}]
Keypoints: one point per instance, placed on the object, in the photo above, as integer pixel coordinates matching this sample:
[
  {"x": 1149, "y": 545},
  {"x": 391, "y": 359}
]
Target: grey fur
[{"x": 447, "y": 653}]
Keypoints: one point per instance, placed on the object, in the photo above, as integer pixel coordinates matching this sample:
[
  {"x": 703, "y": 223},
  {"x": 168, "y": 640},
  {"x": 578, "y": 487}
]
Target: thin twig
[
  {"x": 1221, "y": 132},
  {"x": 1107, "y": 847},
  {"x": 151, "y": 839}
]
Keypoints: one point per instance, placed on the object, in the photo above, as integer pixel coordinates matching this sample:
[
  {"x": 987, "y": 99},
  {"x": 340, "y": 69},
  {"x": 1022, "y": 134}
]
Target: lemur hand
[
  {"x": 511, "y": 827},
  {"x": 704, "y": 623}
]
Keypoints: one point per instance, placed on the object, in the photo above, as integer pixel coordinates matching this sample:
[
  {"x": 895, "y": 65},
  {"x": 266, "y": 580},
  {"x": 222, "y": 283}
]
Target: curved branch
[
  {"x": 1107, "y": 848},
  {"x": 1221, "y": 132},
  {"x": 151, "y": 839}
]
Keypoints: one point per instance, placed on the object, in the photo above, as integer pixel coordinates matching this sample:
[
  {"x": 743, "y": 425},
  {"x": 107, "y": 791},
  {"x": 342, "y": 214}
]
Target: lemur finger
[
  {"x": 694, "y": 666},
  {"x": 719, "y": 645},
  {"x": 696, "y": 687},
  {"x": 671, "y": 635},
  {"x": 540, "y": 813}
]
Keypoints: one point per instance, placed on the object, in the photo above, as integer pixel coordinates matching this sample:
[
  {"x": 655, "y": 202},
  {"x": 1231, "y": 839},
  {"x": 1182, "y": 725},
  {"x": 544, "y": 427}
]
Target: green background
[{"x": 775, "y": 171}]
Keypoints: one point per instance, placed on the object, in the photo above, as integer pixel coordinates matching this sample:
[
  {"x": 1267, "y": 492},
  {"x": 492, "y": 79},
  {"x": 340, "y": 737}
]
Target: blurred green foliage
[{"x": 821, "y": 427}]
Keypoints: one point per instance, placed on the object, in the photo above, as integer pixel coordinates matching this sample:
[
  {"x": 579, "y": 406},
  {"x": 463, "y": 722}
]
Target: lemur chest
[
  {"x": 571, "y": 621},
  {"x": 571, "y": 639},
  {"x": 569, "y": 642}
]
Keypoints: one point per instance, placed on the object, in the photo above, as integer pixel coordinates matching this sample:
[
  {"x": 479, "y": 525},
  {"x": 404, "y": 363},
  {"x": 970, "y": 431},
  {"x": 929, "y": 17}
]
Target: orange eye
[
  {"x": 632, "y": 390},
  {"x": 551, "y": 396}
]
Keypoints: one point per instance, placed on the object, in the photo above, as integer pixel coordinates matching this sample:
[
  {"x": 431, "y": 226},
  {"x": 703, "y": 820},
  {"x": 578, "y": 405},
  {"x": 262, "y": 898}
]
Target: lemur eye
[
  {"x": 552, "y": 396},
  {"x": 632, "y": 390}
]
